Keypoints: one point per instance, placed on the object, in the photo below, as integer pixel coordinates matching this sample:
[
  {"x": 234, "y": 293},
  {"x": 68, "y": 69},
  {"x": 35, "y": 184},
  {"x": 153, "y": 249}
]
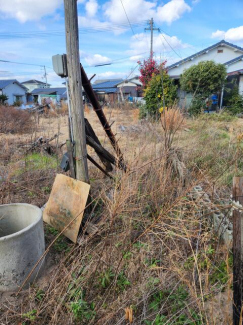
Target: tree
[
  {"x": 203, "y": 80},
  {"x": 157, "y": 91},
  {"x": 147, "y": 69},
  {"x": 3, "y": 99}
]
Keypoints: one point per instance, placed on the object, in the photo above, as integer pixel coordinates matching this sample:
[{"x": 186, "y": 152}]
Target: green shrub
[
  {"x": 3, "y": 99},
  {"x": 235, "y": 102},
  {"x": 155, "y": 92},
  {"x": 197, "y": 106},
  {"x": 204, "y": 78}
]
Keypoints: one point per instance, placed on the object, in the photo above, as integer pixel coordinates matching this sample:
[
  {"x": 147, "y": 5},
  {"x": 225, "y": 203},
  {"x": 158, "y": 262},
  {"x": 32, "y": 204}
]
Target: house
[
  {"x": 131, "y": 88},
  {"x": 54, "y": 95},
  {"x": 33, "y": 84},
  {"x": 222, "y": 52},
  {"x": 116, "y": 90},
  {"x": 107, "y": 91},
  {"x": 15, "y": 91}
]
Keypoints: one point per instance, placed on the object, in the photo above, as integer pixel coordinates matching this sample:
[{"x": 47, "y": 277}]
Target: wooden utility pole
[
  {"x": 75, "y": 89},
  {"x": 151, "y": 29},
  {"x": 237, "y": 252}
]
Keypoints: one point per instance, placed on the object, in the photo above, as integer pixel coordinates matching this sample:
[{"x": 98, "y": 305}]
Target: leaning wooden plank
[
  {"x": 90, "y": 132},
  {"x": 67, "y": 201}
]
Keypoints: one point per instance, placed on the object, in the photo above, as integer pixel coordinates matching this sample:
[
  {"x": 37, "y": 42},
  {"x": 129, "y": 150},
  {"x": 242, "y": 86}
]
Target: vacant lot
[{"x": 155, "y": 258}]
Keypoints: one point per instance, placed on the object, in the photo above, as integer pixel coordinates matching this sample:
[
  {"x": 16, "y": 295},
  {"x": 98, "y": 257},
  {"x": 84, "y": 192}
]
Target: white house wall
[
  {"x": 213, "y": 55},
  {"x": 32, "y": 86},
  {"x": 136, "y": 81},
  {"x": 126, "y": 84},
  {"x": 235, "y": 66},
  {"x": 13, "y": 90}
]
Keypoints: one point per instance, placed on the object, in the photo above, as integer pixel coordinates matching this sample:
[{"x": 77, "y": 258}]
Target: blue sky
[{"x": 31, "y": 31}]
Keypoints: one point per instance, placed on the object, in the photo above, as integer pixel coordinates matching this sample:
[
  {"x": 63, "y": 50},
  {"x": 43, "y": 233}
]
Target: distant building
[
  {"x": 15, "y": 91},
  {"x": 33, "y": 84},
  {"x": 222, "y": 52},
  {"x": 131, "y": 88},
  {"x": 116, "y": 90},
  {"x": 54, "y": 95},
  {"x": 107, "y": 91}
]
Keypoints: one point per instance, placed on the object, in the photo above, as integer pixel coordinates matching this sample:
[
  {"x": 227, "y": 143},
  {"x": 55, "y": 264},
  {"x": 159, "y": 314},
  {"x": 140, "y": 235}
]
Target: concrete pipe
[{"x": 21, "y": 244}]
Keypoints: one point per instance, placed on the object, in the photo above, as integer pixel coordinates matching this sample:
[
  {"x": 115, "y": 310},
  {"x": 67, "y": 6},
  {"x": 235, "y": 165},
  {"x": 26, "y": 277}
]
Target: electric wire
[
  {"x": 128, "y": 19},
  {"x": 170, "y": 45},
  {"x": 33, "y": 34},
  {"x": 37, "y": 65}
]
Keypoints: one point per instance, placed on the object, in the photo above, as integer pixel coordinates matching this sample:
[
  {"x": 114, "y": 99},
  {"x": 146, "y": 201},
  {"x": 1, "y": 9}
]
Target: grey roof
[
  {"x": 203, "y": 51},
  {"x": 99, "y": 81},
  {"x": 137, "y": 83},
  {"x": 234, "y": 60},
  {"x": 61, "y": 91},
  {"x": 106, "y": 90},
  {"x": 33, "y": 81},
  {"x": 112, "y": 83},
  {"x": 7, "y": 82}
]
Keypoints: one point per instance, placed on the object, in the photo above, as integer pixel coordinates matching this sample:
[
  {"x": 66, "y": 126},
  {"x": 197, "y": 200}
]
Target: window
[
  {"x": 18, "y": 98},
  {"x": 220, "y": 51}
]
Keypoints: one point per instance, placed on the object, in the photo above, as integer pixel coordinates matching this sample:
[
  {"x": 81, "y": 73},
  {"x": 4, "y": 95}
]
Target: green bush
[
  {"x": 3, "y": 99},
  {"x": 204, "y": 78},
  {"x": 235, "y": 102},
  {"x": 155, "y": 92},
  {"x": 197, "y": 106}
]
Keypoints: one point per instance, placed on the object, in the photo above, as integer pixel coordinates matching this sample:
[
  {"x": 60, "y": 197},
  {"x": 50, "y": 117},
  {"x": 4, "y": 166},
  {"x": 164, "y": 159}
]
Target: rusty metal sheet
[{"x": 66, "y": 202}]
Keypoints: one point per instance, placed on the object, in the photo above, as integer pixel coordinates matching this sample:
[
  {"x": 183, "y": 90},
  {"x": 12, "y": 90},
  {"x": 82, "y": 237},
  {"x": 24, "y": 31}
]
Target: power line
[
  {"x": 33, "y": 34},
  {"x": 6, "y": 61},
  {"x": 94, "y": 66},
  {"x": 131, "y": 72},
  {"x": 128, "y": 20},
  {"x": 170, "y": 45}
]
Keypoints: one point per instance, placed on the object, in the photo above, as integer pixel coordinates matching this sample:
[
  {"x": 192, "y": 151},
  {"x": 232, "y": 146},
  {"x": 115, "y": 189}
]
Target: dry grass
[
  {"x": 155, "y": 253},
  {"x": 13, "y": 120}
]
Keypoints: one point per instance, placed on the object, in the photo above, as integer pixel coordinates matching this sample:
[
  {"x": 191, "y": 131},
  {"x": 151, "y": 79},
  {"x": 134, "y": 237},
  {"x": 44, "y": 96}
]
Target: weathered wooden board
[{"x": 66, "y": 202}]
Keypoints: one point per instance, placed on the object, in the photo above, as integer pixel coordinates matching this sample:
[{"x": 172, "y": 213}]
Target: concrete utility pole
[
  {"x": 45, "y": 75},
  {"x": 151, "y": 28},
  {"x": 75, "y": 89}
]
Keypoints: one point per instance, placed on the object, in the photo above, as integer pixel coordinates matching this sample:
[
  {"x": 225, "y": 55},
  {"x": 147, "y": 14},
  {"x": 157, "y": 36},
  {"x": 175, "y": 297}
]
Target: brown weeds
[
  {"x": 13, "y": 120},
  {"x": 155, "y": 255}
]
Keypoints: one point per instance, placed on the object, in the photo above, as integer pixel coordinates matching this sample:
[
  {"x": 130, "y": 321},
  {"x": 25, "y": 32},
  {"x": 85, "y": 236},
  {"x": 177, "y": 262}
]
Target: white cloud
[
  {"x": 111, "y": 74},
  {"x": 136, "y": 58},
  {"x": 136, "y": 10},
  {"x": 94, "y": 59},
  {"x": 96, "y": 24},
  {"x": 140, "y": 10},
  {"x": 91, "y": 8},
  {"x": 24, "y": 10},
  {"x": 162, "y": 43},
  {"x": 171, "y": 11},
  {"x": 195, "y": 1},
  {"x": 231, "y": 35},
  {"x": 220, "y": 34}
]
